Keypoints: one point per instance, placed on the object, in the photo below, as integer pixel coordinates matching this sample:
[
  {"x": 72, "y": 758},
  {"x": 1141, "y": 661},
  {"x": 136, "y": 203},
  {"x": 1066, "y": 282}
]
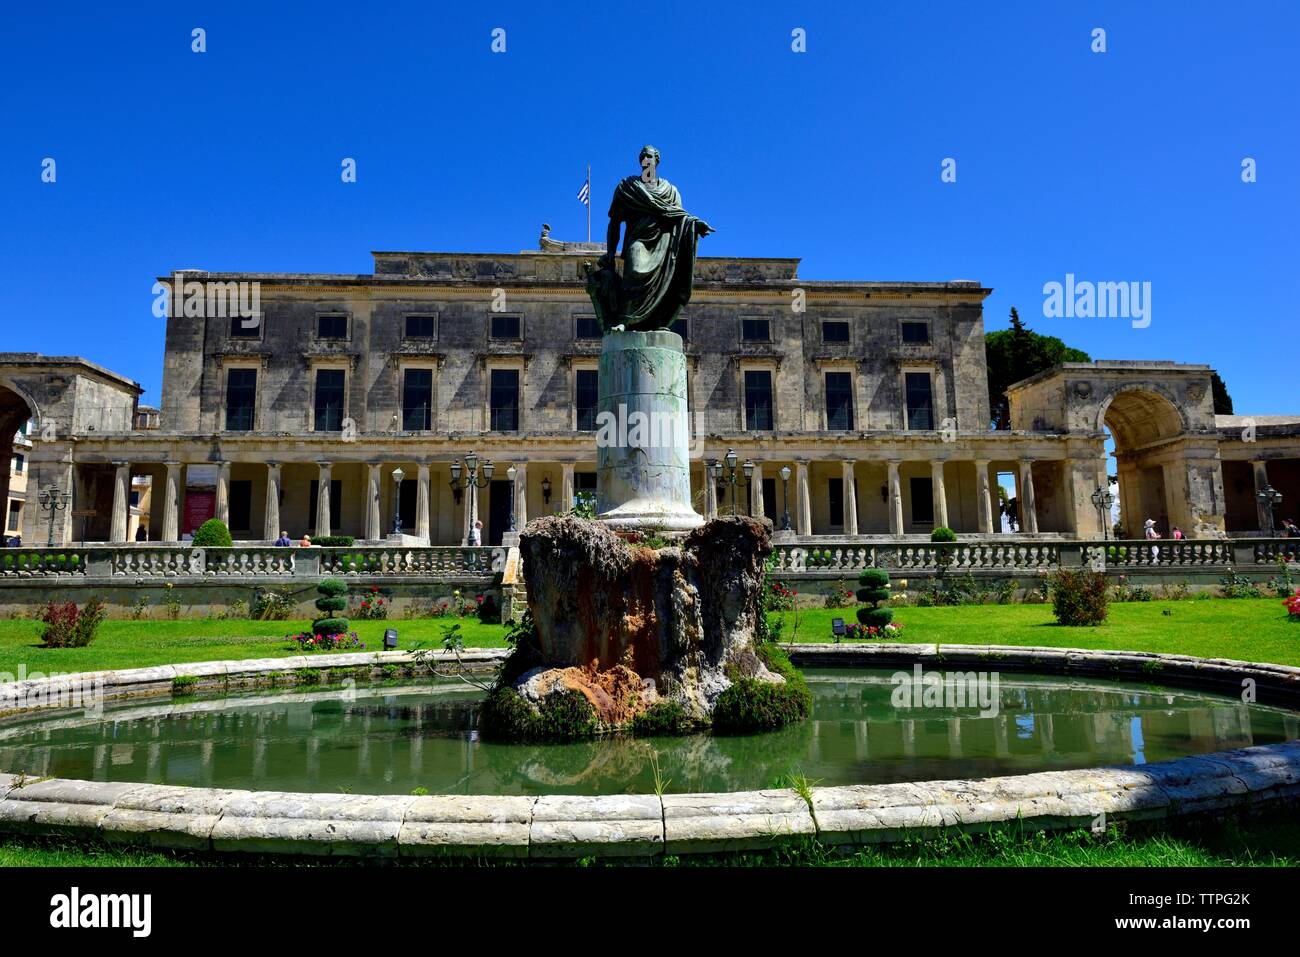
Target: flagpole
[{"x": 589, "y": 203}]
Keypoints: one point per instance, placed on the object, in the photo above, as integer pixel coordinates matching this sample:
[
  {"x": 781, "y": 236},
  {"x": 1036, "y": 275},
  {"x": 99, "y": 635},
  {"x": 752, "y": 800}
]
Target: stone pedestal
[{"x": 643, "y": 478}]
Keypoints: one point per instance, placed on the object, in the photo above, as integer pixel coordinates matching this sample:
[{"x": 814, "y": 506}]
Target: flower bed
[
  {"x": 342, "y": 641},
  {"x": 889, "y": 632}
]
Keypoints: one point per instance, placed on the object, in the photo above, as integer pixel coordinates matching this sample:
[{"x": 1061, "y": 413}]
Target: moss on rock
[{"x": 751, "y": 704}]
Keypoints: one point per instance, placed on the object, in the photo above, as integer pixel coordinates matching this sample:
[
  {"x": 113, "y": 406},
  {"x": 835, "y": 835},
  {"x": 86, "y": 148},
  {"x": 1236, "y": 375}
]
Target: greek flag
[{"x": 584, "y": 194}]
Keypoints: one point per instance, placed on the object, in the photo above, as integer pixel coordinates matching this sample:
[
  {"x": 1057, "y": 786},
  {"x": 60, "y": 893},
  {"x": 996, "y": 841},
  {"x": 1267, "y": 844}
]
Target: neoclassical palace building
[{"x": 872, "y": 394}]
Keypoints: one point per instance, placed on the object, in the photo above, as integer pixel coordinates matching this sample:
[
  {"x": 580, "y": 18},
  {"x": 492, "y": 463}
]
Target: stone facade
[{"x": 872, "y": 394}]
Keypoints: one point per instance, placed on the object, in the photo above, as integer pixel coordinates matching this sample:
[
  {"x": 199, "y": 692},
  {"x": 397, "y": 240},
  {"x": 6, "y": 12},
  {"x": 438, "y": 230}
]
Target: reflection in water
[{"x": 395, "y": 739}]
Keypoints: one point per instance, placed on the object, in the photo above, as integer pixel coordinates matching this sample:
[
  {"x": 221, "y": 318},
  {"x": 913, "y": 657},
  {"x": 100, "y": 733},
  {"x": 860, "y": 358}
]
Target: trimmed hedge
[
  {"x": 333, "y": 599},
  {"x": 334, "y": 541},
  {"x": 213, "y": 534},
  {"x": 875, "y": 589}
]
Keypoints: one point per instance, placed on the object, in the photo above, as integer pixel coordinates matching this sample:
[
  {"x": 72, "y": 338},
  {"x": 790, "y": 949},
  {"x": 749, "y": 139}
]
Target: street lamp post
[
  {"x": 1270, "y": 498},
  {"x": 785, "y": 497},
  {"x": 53, "y": 500},
  {"x": 729, "y": 475},
  {"x": 398, "y": 475},
  {"x": 471, "y": 482},
  {"x": 1104, "y": 498},
  {"x": 511, "y": 473}
]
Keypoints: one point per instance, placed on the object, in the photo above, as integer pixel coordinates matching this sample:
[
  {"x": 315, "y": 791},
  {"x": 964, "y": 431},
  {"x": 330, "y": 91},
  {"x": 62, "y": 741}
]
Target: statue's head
[{"x": 649, "y": 162}]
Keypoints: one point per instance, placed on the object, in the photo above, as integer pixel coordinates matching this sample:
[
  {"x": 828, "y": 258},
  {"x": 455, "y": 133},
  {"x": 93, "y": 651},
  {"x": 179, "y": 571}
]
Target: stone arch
[
  {"x": 1145, "y": 420},
  {"x": 16, "y": 407}
]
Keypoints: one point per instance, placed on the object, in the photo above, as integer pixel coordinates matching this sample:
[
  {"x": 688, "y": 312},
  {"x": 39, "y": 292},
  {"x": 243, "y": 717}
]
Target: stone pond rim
[{"x": 627, "y": 629}]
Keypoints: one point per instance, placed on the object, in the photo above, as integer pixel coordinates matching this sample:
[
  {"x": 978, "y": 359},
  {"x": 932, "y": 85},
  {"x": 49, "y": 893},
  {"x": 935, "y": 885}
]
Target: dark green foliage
[
  {"x": 750, "y": 705},
  {"x": 1222, "y": 401},
  {"x": 333, "y": 599},
  {"x": 943, "y": 534},
  {"x": 1079, "y": 596},
  {"x": 334, "y": 541},
  {"x": 565, "y": 716},
  {"x": 1017, "y": 353},
  {"x": 213, "y": 534},
  {"x": 661, "y": 719},
  {"x": 875, "y": 589}
]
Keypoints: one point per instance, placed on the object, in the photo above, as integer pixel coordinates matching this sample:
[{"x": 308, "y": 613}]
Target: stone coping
[{"x": 643, "y": 825}]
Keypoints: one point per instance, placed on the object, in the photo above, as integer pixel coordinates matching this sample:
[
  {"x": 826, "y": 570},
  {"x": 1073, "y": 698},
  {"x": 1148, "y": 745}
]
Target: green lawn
[
  {"x": 1206, "y": 842},
  {"x": 139, "y": 644},
  {"x": 1252, "y": 629}
]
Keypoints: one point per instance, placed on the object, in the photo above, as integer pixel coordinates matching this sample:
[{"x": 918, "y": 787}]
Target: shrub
[
  {"x": 67, "y": 626},
  {"x": 943, "y": 534},
  {"x": 334, "y": 541},
  {"x": 840, "y": 597},
  {"x": 274, "y": 605},
  {"x": 1238, "y": 586},
  {"x": 1079, "y": 596},
  {"x": 663, "y": 718},
  {"x": 372, "y": 607},
  {"x": 875, "y": 589},
  {"x": 1293, "y": 607},
  {"x": 213, "y": 534},
  {"x": 779, "y": 597},
  {"x": 489, "y": 612},
  {"x": 751, "y": 705},
  {"x": 333, "y": 599}
]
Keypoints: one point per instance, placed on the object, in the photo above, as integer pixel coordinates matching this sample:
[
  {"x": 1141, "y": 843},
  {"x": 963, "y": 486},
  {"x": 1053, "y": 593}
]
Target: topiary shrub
[
  {"x": 1079, "y": 596},
  {"x": 213, "y": 534},
  {"x": 875, "y": 589},
  {"x": 333, "y": 599},
  {"x": 943, "y": 534}
]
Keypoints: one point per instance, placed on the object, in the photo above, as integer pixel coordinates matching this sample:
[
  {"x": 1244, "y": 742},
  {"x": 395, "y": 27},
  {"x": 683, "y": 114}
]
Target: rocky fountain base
[{"x": 628, "y": 637}]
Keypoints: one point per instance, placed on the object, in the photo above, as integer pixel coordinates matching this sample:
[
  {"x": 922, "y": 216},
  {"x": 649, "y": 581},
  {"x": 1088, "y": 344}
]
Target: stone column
[
  {"x": 756, "y": 504},
  {"x": 521, "y": 495},
  {"x": 982, "y": 500},
  {"x": 895, "y": 499},
  {"x": 121, "y": 500},
  {"x": 566, "y": 486},
  {"x": 374, "y": 523},
  {"x": 803, "y": 524},
  {"x": 646, "y": 483},
  {"x": 1028, "y": 514},
  {"x": 850, "y": 497},
  {"x": 1261, "y": 479},
  {"x": 422, "y": 503},
  {"x": 172, "y": 503},
  {"x": 271, "y": 525},
  {"x": 710, "y": 493},
  {"x": 940, "y": 493},
  {"x": 323, "y": 499},
  {"x": 223, "y": 493}
]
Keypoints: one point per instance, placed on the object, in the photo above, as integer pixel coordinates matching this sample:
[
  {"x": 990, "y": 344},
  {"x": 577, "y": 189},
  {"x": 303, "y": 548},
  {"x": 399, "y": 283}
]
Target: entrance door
[{"x": 498, "y": 511}]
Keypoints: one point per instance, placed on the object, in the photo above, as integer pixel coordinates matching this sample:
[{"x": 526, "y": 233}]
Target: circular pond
[{"x": 399, "y": 738}]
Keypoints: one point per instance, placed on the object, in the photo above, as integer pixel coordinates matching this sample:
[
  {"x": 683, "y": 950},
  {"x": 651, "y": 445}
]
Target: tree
[
  {"x": 1017, "y": 353},
  {"x": 1222, "y": 401}
]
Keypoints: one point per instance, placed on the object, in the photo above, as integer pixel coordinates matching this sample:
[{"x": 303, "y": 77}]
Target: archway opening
[
  {"x": 1140, "y": 424},
  {"x": 15, "y": 447}
]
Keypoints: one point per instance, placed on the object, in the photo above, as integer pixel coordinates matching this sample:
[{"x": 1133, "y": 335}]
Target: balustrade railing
[
  {"x": 432, "y": 560},
  {"x": 42, "y": 562}
]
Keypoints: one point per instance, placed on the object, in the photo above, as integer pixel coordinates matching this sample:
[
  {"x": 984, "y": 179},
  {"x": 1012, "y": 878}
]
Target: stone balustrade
[{"x": 21, "y": 563}]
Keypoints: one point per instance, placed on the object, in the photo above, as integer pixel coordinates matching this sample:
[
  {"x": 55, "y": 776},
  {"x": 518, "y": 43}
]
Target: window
[
  {"x": 839, "y": 401},
  {"x": 922, "y": 501},
  {"x": 586, "y": 327},
  {"x": 756, "y": 330},
  {"x": 20, "y": 462},
  {"x": 585, "y": 398},
  {"x": 419, "y": 327},
  {"x": 134, "y": 499},
  {"x": 313, "y": 496},
  {"x": 505, "y": 400},
  {"x": 241, "y": 505},
  {"x": 505, "y": 327},
  {"x": 758, "y": 399},
  {"x": 916, "y": 333},
  {"x": 920, "y": 412},
  {"x": 241, "y": 399},
  {"x": 15, "y": 515},
  {"x": 245, "y": 327},
  {"x": 331, "y": 327},
  {"x": 329, "y": 399},
  {"x": 835, "y": 495},
  {"x": 835, "y": 332},
  {"x": 417, "y": 400},
  {"x": 679, "y": 326}
]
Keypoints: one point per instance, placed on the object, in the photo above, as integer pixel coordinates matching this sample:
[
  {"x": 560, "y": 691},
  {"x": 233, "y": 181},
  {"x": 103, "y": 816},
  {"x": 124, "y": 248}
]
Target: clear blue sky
[{"x": 1117, "y": 166}]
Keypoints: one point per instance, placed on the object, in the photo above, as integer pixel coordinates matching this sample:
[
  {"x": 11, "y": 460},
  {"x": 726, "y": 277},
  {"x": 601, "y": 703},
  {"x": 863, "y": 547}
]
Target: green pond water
[{"x": 394, "y": 739}]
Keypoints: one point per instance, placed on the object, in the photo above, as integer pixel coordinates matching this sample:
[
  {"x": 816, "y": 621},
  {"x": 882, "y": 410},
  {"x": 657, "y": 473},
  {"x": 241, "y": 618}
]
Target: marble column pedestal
[{"x": 643, "y": 478}]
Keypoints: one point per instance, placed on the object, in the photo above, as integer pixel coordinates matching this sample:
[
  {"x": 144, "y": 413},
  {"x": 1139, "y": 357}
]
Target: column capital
[
  {"x": 121, "y": 465},
  {"x": 981, "y": 463},
  {"x": 1025, "y": 462},
  {"x": 222, "y": 463},
  {"x": 173, "y": 464},
  {"x": 325, "y": 465},
  {"x": 272, "y": 465}
]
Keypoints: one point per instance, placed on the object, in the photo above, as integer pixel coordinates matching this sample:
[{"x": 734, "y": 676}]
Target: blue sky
[{"x": 1115, "y": 166}]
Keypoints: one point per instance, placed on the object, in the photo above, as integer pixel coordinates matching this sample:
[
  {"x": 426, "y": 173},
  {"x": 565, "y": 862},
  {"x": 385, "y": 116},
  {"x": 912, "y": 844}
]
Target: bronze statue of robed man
[{"x": 658, "y": 253}]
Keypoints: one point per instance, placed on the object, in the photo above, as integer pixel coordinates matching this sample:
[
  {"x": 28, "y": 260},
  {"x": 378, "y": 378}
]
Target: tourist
[
  {"x": 1150, "y": 532},
  {"x": 306, "y": 541},
  {"x": 1289, "y": 529},
  {"x": 1177, "y": 534},
  {"x": 284, "y": 541},
  {"x": 476, "y": 534},
  {"x": 141, "y": 533}
]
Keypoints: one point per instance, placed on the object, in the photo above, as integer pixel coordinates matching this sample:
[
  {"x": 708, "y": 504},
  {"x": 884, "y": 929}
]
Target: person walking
[
  {"x": 476, "y": 534},
  {"x": 1150, "y": 532}
]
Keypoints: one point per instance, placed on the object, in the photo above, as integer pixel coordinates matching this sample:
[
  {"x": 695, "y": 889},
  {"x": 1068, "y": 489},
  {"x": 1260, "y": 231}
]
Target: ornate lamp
[
  {"x": 1104, "y": 498},
  {"x": 1269, "y": 498},
  {"x": 398, "y": 475},
  {"x": 785, "y": 497}
]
